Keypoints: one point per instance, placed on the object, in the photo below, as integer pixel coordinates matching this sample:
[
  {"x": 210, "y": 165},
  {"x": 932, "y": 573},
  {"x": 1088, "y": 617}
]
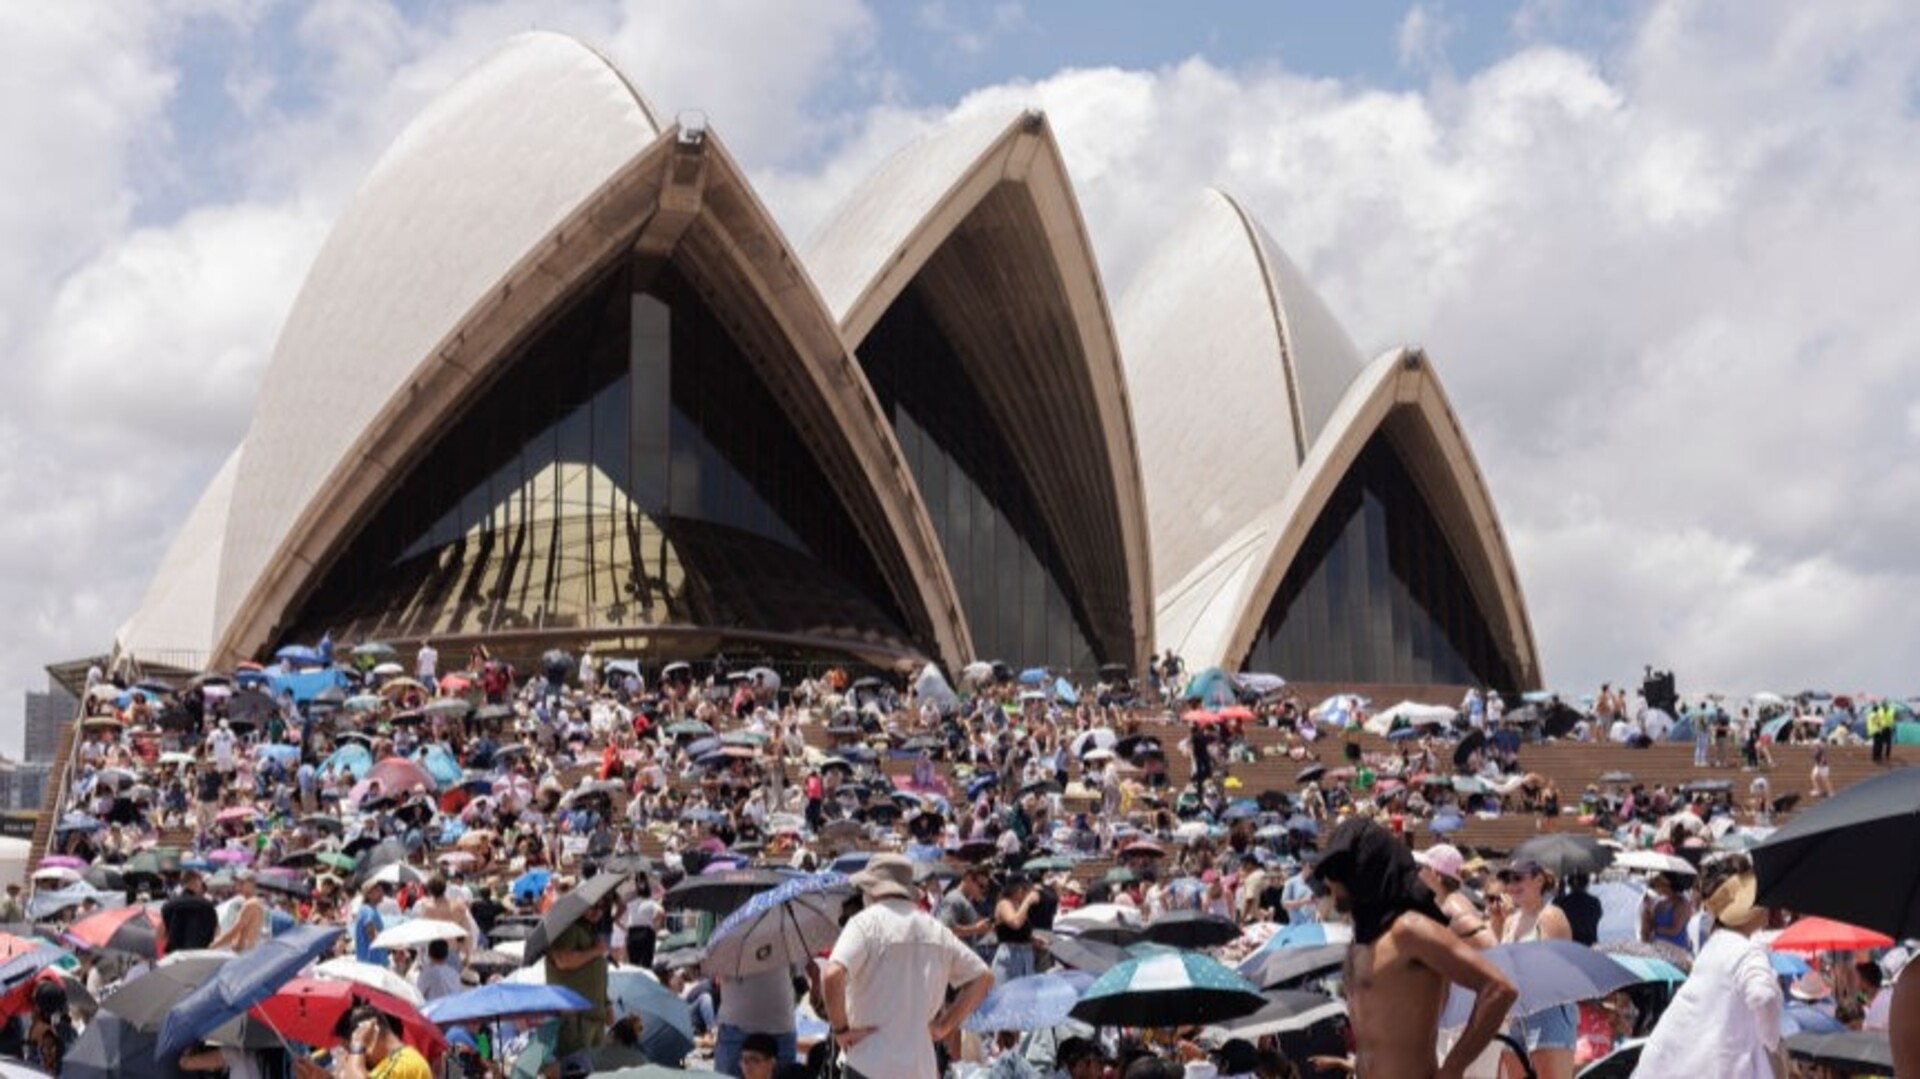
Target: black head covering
[{"x": 1379, "y": 874}]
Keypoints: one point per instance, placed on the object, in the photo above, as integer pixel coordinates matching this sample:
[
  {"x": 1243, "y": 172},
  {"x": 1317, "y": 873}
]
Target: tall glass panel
[
  {"x": 1376, "y": 594},
  {"x": 1005, "y": 562}
]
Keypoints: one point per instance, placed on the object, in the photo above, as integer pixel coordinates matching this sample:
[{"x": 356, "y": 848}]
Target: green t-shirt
[{"x": 585, "y": 1029}]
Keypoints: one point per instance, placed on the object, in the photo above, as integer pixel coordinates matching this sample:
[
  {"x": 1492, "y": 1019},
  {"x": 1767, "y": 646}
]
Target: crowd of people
[{"x": 604, "y": 829}]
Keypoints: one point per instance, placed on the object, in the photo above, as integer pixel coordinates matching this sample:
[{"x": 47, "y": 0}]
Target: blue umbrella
[
  {"x": 1619, "y": 909},
  {"x": 30, "y": 963},
  {"x": 528, "y": 886},
  {"x": 1167, "y": 989},
  {"x": 1787, "y": 964},
  {"x": 78, "y": 822},
  {"x": 1799, "y": 1017},
  {"x": 1244, "y": 809},
  {"x": 855, "y": 861},
  {"x": 1064, "y": 692},
  {"x": 352, "y": 758},
  {"x": 1650, "y": 969},
  {"x": 705, "y": 746},
  {"x": 1308, "y": 935},
  {"x": 1548, "y": 973},
  {"x": 666, "y": 1033},
  {"x": 981, "y": 782},
  {"x": 504, "y": 1000},
  {"x": 1446, "y": 823},
  {"x": 779, "y": 928},
  {"x": 1033, "y": 1003},
  {"x": 301, "y": 654},
  {"x": 441, "y": 764},
  {"x": 241, "y": 983},
  {"x": 1034, "y": 676},
  {"x": 276, "y": 751}
]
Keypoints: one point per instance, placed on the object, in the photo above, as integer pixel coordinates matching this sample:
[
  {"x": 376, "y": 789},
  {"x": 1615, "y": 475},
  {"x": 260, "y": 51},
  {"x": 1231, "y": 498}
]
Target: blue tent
[
  {"x": 1213, "y": 688},
  {"x": 306, "y": 685}
]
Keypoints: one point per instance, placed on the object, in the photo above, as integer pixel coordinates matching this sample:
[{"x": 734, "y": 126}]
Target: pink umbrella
[
  {"x": 397, "y": 774},
  {"x": 230, "y": 854},
  {"x": 235, "y": 813},
  {"x": 62, "y": 861},
  {"x": 516, "y": 785}
]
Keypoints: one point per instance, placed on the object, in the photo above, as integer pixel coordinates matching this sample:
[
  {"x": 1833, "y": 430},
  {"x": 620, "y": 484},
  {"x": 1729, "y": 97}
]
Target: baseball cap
[
  {"x": 1522, "y": 868},
  {"x": 1442, "y": 858}
]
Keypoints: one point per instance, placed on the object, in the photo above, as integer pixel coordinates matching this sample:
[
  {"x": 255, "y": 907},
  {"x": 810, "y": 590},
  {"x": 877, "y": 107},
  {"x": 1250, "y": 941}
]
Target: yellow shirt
[{"x": 406, "y": 1063}]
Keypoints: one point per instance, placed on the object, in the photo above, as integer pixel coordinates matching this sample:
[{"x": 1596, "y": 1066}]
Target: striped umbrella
[
  {"x": 780, "y": 928},
  {"x": 1167, "y": 989}
]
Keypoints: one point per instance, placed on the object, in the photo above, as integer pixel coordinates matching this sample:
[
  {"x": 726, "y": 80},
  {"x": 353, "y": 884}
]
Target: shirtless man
[
  {"x": 1402, "y": 959},
  {"x": 441, "y": 907},
  {"x": 250, "y": 922}
]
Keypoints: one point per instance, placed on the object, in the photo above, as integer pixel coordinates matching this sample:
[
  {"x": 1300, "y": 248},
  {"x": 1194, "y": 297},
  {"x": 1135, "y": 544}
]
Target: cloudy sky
[{"x": 1661, "y": 252}]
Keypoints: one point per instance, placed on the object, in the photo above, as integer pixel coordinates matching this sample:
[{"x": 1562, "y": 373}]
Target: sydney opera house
[{"x": 558, "y": 378}]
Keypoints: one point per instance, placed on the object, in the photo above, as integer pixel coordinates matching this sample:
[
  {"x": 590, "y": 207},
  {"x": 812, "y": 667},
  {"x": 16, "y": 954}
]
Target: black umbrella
[
  {"x": 1311, "y": 773},
  {"x": 1192, "y": 929},
  {"x": 492, "y": 712},
  {"x": 113, "y": 1048},
  {"x": 1474, "y": 742},
  {"x": 1851, "y": 1050},
  {"x": 250, "y": 706},
  {"x": 1090, "y": 955},
  {"x": 1117, "y": 935},
  {"x": 721, "y": 893},
  {"x": 491, "y": 962},
  {"x": 385, "y": 852},
  {"x": 1563, "y": 854},
  {"x": 107, "y": 878},
  {"x": 569, "y": 909},
  {"x": 1041, "y": 786},
  {"x": 1833, "y": 859},
  {"x": 1280, "y": 967},
  {"x": 510, "y": 931}
]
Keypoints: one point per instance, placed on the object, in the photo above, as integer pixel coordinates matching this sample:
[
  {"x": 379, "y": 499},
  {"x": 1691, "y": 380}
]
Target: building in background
[
  {"x": 46, "y": 712},
  {"x": 558, "y": 379}
]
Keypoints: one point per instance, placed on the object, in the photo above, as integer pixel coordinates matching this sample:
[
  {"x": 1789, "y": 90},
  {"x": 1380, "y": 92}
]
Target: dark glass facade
[
  {"x": 1376, "y": 594},
  {"x": 1005, "y": 563},
  {"x": 628, "y": 470}
]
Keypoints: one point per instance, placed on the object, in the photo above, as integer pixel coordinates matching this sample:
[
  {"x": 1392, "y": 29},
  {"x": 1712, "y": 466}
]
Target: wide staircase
[{"x": 52, "y": 798}]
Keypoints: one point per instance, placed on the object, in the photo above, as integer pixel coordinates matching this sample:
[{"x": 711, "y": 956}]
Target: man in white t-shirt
[
  {"x": 426, "y": 663},
  {"x": 644, "y": 919},
  {"x": 222, "y": 742},
  {"x": 886, "y": 982}
]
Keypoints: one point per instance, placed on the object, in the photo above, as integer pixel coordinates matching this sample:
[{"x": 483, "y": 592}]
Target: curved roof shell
[
  {"x": 1234, "y": 366},
  {"x": 1212, "y": 614},
  {"x": 410, "y": 308},
  {"x": 174, "y": 623},
  {"x": 981, "y": 220}
]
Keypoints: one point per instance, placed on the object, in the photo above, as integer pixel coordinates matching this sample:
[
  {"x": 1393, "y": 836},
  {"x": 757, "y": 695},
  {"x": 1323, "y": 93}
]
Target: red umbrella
[
  {"x": 307, "y": 1010},
  {"x": 126, "y": 929},
  {"x": 1145, "y": 847},
  {"x": 1200, "y": 717},
  {"x": 1237, "y": 711},
  {"x": 1827, "y": 935}
]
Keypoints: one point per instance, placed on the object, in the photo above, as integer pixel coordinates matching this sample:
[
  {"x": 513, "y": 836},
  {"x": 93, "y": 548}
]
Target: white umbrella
[
  {"x": 1097, "y": 755},
  {"x": 417, "y": 933},
  {"x": 1652, "y": 861},
  {"x": 389, "y": 670},
  {"x": 515, "y": 949},
  {"x": 1096, "y": 916},
  {"x": 1416, "y": 715},
  {"x": 1094, "y": 740},
  {"x": 61, "y": 873},
  {"x": 352, "y": 970},
  {"x": 398, "y": 873}
]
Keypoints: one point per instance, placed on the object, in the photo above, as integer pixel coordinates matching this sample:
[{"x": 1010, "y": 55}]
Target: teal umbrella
[{"x": 1168, "y": 989}]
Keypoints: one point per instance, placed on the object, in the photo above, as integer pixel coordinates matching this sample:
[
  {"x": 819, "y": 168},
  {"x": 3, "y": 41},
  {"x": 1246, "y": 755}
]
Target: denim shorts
[{"x": 1555, "y": 1028}]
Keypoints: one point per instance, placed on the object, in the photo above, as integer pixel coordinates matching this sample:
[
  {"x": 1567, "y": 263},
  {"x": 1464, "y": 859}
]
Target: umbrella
[
  {"x": 666, "y": 1032},
  {"x": 1548, "y": 973},
  {"x": 529, "y": 885},
  {"x": 417, "y": 933},
  {"x": 1658, "y": 949},
  {"x": 146, "y": 1000},
  {"x": 505, "y": 1000},
  {"x": 1310, "y": 935},
  {"x": 1648, "y": 969},
  {"x": 307, "y": 1010},
  {"x": 1851, "y": 1050},
  {"x": 1813, "y": 934},
  {"x": 721, "y": 893},
  {"x": 1285, "y": 966},
  {"x": 1564, "y": 854},
  {"x": 1287, "y": 1011},
  {"x": 1650, "y": 861},
  {"x": 396, "y": 774},
  {"x": 1192, "y": 929},
  {"x": 1039, "y": 1002},
  {"x": 568, "y": 909},
  {"x": 242, "y": 983},
  {"x": 1832, "y": 859},
  {"x": 396, "y": 874},
  {"x": 1089, "y": 955},
  {"x": 113, "y": 1048},
  {"x": 347, "y": 969},
  {"x": 1165, "y": 990},
  {"x": 779, "y": 929},
  {"x": 1311, "y": 773},
  {"x": 127, "y": 929}
]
